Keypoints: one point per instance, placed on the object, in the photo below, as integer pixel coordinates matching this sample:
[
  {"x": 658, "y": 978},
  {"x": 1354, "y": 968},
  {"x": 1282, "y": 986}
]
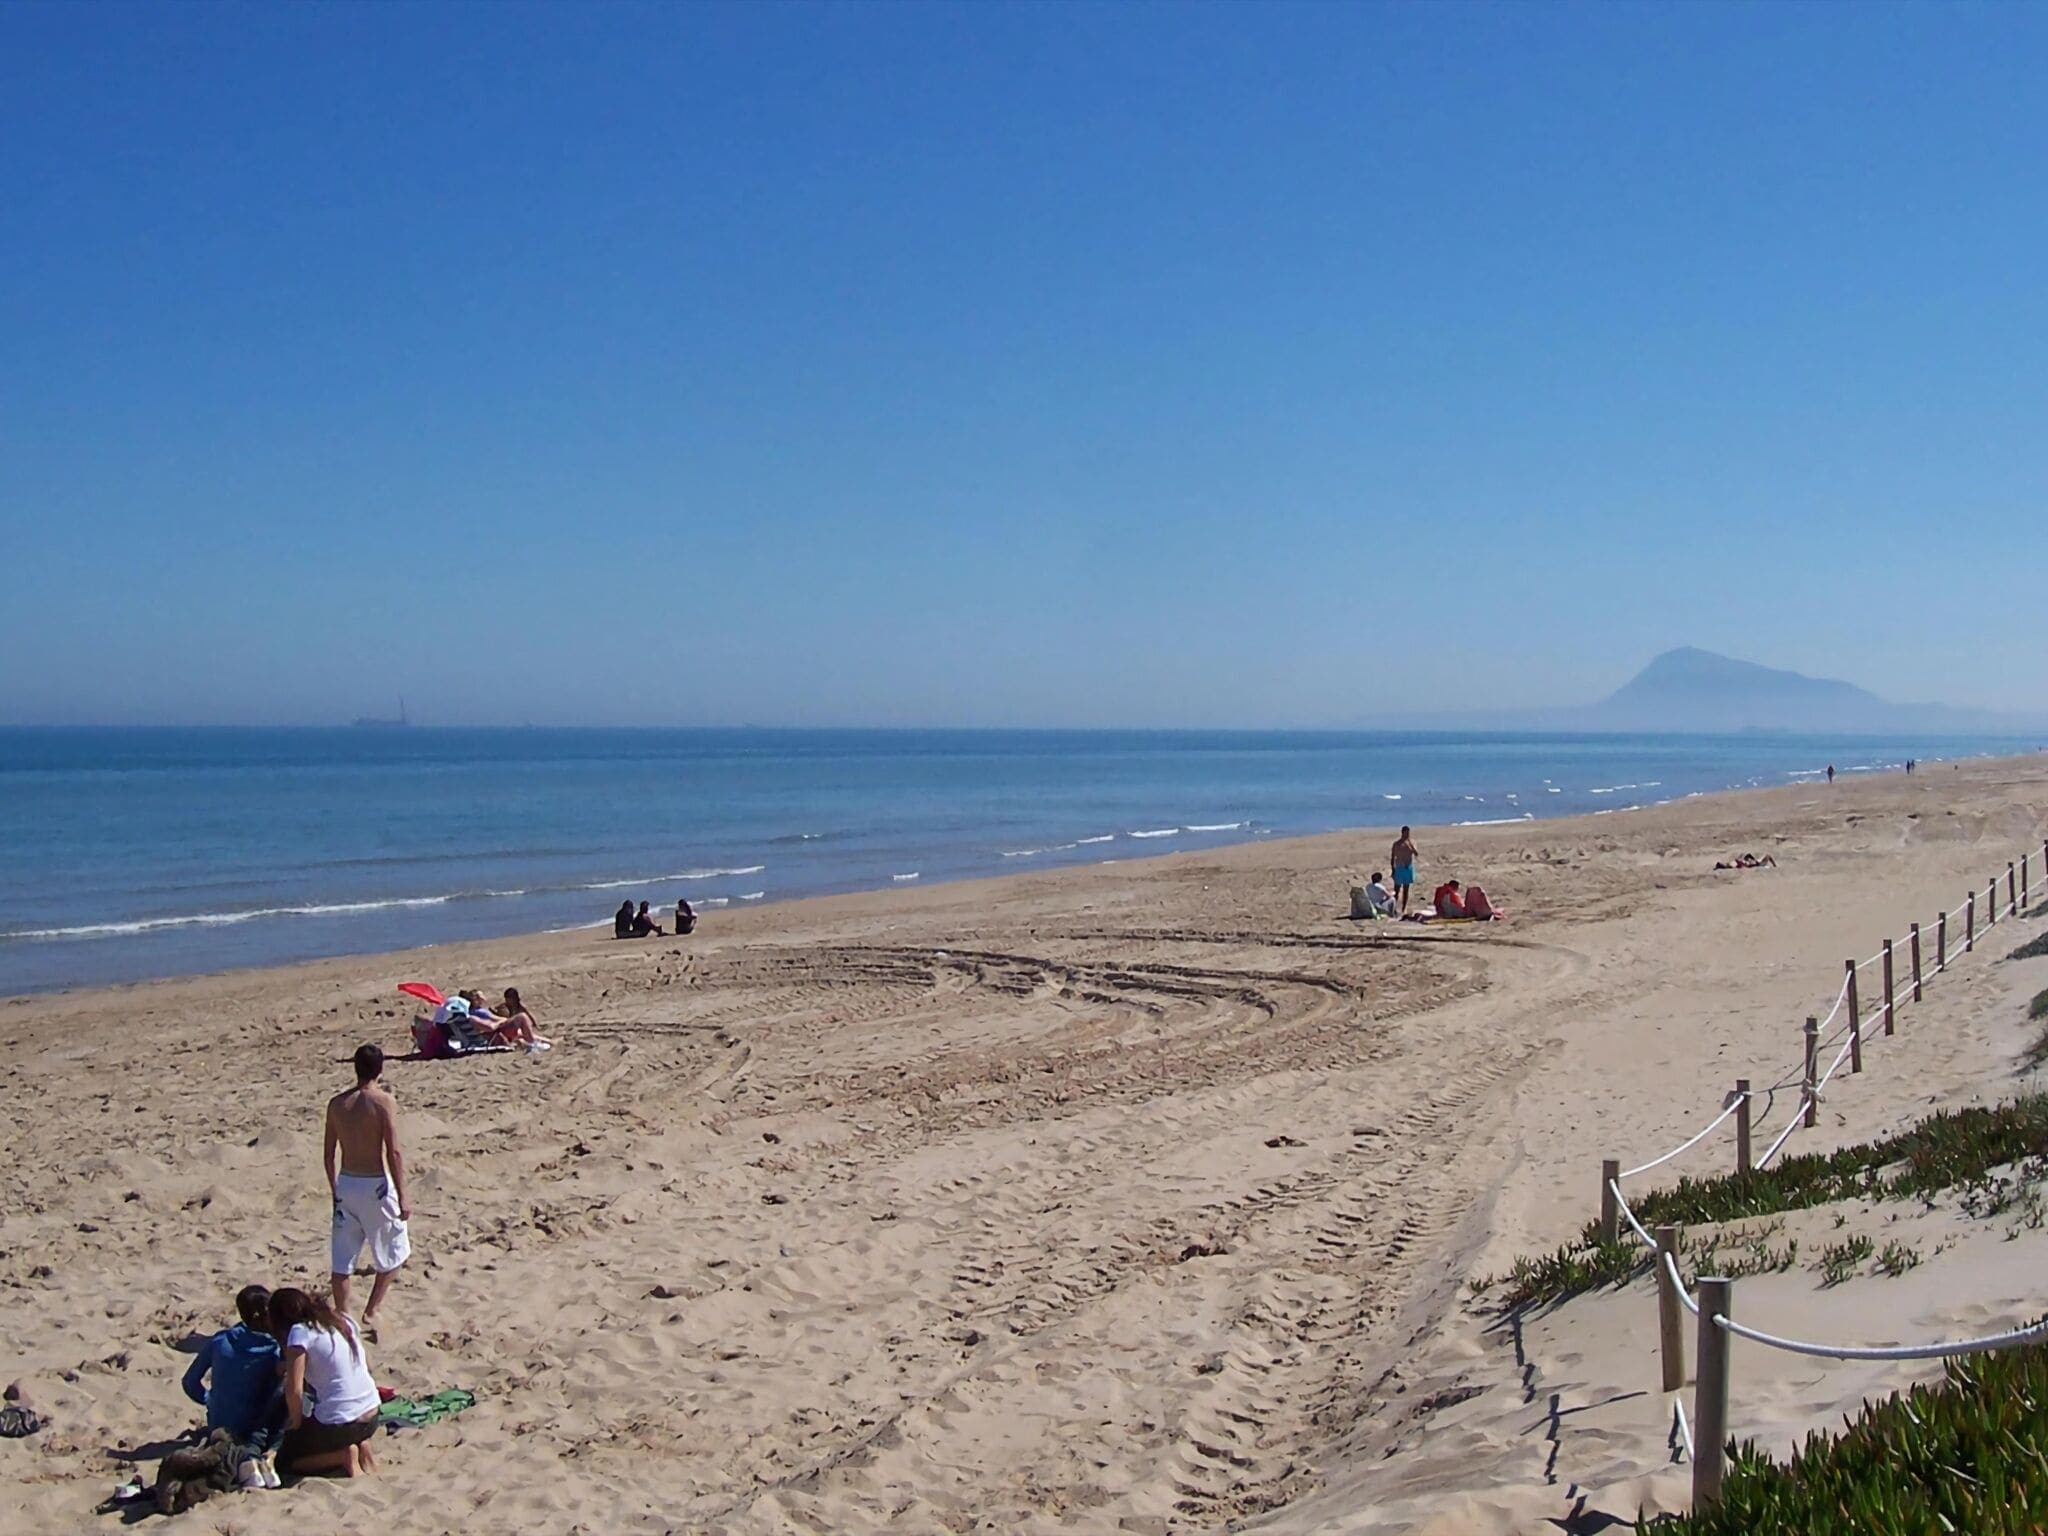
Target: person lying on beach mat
[{"x": 1750, "y": 861}]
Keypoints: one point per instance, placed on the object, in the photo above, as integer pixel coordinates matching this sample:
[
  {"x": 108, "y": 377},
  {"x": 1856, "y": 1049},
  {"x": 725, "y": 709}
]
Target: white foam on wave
[
  {"x": 911, "y": 876},
  {"x": 1553, "y": 790},
  {"x": 687, "y": 874},
  {"x": 1500, "y": 821},
  {"x": 250, "y": 915},
  {"x": 1390, "y": 797},
  {"x": 1032, "y": 853},
  {"x": 1159, "y": 832},
  {"x": 1107, "y": 837},
  {"x": 753, "y": 895},
  {"x": 1216, "y": 826}
]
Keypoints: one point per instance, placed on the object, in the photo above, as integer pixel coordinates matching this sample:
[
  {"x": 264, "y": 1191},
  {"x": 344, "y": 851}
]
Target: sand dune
[{"x": 1144, "y": 1197}]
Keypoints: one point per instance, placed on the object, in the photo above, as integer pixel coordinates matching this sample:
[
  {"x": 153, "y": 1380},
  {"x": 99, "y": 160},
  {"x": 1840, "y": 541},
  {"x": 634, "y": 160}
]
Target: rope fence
[{"x": 1713, "y": 1304}]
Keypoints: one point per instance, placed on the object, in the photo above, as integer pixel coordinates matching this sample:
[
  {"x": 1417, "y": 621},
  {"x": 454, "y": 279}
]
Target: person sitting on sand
[
  {"x": 1378, "y": 898},
  {"x": 686, "y": 916},
  {"x": 464, "y": 1032},
  {"x": 644, "y": 923},
  {"x": 1478, "y": 905},
  {"x": 1447, "y": 901},
  {"x": 622, "y": 921},
  {"x": 235, "y": 1378},
  {"x": 1750, "y": 861},
  {"x": 330, "y": 1397},
  {"x": 518, "y": 1027}
]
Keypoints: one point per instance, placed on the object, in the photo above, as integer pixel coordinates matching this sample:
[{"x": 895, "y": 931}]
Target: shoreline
[
  {"x": 1159, "y": 1183},
  {"x": 136, "y": 897},
  {"x": 724, "y": 917}
]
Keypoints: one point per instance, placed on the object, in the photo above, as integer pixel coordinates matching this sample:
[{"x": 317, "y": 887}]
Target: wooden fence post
[
  {"x": 1855, "y": 1024},
  {"x": 1812, "y": 1094},
  {"x": 1970, "y": 925},
  {"x": 1888, "y": 997},
  {"x": 1742, "y": 1163},
  {"x": 1991, "y": 903},
  {"x": 2012, "y": 889},
  {"x": 1670, "y": 1318},
  {"x": 1941, "y": 943},
  {"x": 1916, "y": 962},
  {"x": 1610, "y": 1209},
  {"x": 1710, "y": 1400},
  {"x": 2025, "y": 894}
]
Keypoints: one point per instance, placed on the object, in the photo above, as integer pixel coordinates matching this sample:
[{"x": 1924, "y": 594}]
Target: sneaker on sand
[
  {"x": 249, "y": 1474},
  {"x": 270, "y": 1477}
]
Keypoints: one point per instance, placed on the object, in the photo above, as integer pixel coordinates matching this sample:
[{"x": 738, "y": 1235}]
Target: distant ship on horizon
[{"x": 371, "y": 722}]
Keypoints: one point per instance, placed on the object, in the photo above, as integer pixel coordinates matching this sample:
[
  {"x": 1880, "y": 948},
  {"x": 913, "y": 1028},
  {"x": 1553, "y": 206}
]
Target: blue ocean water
[{"x": 127, "y": 854}]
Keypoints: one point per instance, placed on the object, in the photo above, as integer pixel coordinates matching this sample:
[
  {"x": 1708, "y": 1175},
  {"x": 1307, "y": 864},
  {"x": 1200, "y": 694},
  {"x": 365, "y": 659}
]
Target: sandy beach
[{"x": 1145, "y": 1197}]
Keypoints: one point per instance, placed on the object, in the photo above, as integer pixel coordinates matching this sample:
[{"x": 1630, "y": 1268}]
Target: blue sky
[{"x": 898, "y": 364}]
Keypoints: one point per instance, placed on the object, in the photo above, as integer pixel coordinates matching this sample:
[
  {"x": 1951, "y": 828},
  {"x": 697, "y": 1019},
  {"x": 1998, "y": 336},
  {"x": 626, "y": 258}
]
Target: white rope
[
  {"x": 1686, "y": 1146},
  {"x": 1784, "y": 1136},
  {"x": 1684, "y": 1429},
  {"x": 1840, "y": 1056},
  {"x": 1683, "y": 1295},
  {"x": 1984, "y": 1345},
  {"x": 1648, "y": 1241}
]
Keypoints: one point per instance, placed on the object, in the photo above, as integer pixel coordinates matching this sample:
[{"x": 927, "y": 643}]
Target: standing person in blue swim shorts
[{"x": 1403, "y": 858}]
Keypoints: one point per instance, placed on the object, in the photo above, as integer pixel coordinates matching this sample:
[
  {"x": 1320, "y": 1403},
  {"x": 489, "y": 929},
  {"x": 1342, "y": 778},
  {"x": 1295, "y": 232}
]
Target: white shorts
[{"x": 366, "y": 1211}]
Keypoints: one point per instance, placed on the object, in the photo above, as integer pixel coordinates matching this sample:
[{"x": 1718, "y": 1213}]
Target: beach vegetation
[
  {"x": 2033, "y": 949},
  {"x": 1964, "y": 1454},
  {"x": 1840, "y": 1261},
  {"x": 1996, "y": 1156}
]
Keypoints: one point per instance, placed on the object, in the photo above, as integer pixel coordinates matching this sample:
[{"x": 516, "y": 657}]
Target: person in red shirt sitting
[{"x": 1447, "y": 901}]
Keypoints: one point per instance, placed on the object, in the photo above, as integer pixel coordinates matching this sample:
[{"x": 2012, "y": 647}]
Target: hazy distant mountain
[{"x": 1693, "y": 690}]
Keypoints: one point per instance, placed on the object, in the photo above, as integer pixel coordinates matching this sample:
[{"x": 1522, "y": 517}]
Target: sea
[{"x": 134, "y": 853}]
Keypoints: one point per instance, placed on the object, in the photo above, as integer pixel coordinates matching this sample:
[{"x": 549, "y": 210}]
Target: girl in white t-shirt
[{"x": 330, "y": 1398}]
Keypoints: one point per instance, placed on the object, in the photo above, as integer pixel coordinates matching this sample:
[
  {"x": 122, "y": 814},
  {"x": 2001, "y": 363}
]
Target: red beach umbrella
[{"x": 426, "y": 992}]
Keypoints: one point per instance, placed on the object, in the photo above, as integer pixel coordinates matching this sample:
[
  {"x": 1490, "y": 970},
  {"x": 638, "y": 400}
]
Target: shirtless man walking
[
  {"x": 1403, "y": 858},
  {"x": 370, "y": 1204}
]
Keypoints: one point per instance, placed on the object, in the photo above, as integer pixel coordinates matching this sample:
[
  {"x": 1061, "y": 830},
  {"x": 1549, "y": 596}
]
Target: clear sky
[{"x": 1012, "y": 364}]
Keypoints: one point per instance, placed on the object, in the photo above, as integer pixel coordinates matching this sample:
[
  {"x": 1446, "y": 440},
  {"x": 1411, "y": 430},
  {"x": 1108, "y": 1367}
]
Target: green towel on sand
[{"x": 410, "y": 1413}]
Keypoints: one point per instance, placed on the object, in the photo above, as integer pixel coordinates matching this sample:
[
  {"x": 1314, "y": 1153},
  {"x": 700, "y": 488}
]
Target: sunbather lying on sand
[{"x": 1750, "y": 861}]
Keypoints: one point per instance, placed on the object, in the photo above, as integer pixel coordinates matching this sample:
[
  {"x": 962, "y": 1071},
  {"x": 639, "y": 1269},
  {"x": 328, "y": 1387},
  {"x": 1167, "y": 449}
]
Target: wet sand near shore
[{"x": 1142, "y": 1197}]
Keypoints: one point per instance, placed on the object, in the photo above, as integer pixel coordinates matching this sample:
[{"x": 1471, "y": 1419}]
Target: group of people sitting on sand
[
  {"x": 629, "y": 924},
  {"x": 465, "y": 1022},
  {"x": 1748, "y": 861},
  {"x": 1450, "y": 900},
  {"x": 292, "y": 1381}
]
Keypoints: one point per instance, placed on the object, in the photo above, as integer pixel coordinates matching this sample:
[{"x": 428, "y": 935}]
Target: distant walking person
[
  {"x": 1403, "y": 858},
  {"x": 1831, "y": 773},
  {"x": 366, "y": 1173}
]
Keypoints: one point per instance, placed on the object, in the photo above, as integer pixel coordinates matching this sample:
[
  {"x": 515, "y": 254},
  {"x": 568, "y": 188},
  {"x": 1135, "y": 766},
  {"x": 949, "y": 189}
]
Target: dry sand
[{"x": 1143, "y": 1197}]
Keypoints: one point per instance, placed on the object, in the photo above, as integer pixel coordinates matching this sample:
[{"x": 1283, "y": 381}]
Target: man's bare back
[{"x": 363, "y": 1120}]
